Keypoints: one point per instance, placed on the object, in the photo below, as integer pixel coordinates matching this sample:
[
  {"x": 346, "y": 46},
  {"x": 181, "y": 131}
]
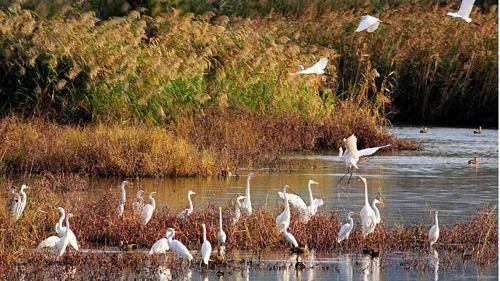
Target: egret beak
[{"x": 313, "y": 182}]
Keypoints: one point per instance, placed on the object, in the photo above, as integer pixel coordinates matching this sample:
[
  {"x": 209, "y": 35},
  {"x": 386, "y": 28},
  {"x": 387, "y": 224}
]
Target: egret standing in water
[
  {"x": 464, "y": 11},
  {"x": 283, "y": 219},
  {"x": 147, "y": 211},
  {"x": 177, "y": 247},
  {"x": 160, "y": 246},
  {"x": 236, "y": 214},
  {"x": 346, "y": 229},
  {"x": 221, "y": 235},
  {"x": 368, "y": 217},
  {"x": 434, "y": 230},
  {"x": 306, "y": 211},
  {"x": 206, "y": 247},
  {"x": 352, "y": 154},
  {"x": 478, "y": 130},
  {"x": 368, "y": 23},
  {"x": 317, "y": 68},
  {"x": 123, "y": 198},
  {"x": 20, "y": 204},
  {"x": 247, "y": 203},
  {"x": 187, "y": 212}
]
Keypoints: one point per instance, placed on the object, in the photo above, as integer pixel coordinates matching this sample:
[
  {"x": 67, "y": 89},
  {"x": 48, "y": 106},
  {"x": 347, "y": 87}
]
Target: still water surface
[{"x": 436, "y": 176}]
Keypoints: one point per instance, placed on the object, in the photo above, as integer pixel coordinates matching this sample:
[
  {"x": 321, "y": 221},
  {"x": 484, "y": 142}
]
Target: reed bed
[
  {"x": 96, "y": 225},
  {"x": 201, "y": 146}
]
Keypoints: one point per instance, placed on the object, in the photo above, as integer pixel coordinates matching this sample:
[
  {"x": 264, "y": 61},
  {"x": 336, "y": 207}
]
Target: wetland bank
[{"x": 172, "y": 97}]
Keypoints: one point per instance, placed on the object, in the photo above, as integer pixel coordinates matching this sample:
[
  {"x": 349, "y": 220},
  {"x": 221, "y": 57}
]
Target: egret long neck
[
  {"x": 351, "y": 221},
  {"x": 62, "y": 216},
  {"x": 67, "y": 226},
  {"x": 377, "y": 213},
  {"x": 366, "y": 194},
  {"x": 287, "y": 207},
  {"x": 190, "y": 203},
  {"x": 247, "y": 191},
  {"x": 311, "y": 199},
  {"x": 124, "y": 195},
  {"x": 341, "y": 151},
  {"x": 204, "y": 233},
  {"x": 153, "y": 203},
  {"x": 23, "y": 194},
  {"x": 220, "y": 218},
  {"x": 436, "y": 220}
]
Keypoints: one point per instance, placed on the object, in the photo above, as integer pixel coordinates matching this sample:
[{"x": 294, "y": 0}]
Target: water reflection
[
  {"x": 434, "y": 264},
  {"x": 370, "y": 268}
]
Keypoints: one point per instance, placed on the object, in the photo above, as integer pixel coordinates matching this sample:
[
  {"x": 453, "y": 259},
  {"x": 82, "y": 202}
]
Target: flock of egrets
[{"x": 369, "y": 214}]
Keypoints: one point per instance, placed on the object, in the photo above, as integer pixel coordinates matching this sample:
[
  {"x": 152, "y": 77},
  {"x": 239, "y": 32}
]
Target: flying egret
[
  {"x": 434, "y": 230},
  {"x": 236, "y": 214},
  {"x": 306, "y": 212},
  {"x": 139, "y": 203},
  {"x": 283, "y": 219},
  {"x": 206, "y": 247},
  {"x": 61, "y": 230},
  {"x": 346, "y": 229},
  {"x": 317, "y": 68},
  {"x": 160, "y": 246},
  {"x": 464, "y": 11},
  {"x": 177, "y": 247},
  {"x": 123, "y": 198},
  {"x": 368, "y": 23},
  {"x": 187, "y": 212},
  {"x": 368, "y": 219},
  {"x": 20, "y": 204},
  {"x": 478, "y": 130},
  {"x": 63, "y": 241},
  {"x": 51, "y": 241},
  {"x": 147, "y": 210},
  {"x": 221, "y": 235},
  {"x": 247, "y": 203},
  {"x": 352, "y": 154}
]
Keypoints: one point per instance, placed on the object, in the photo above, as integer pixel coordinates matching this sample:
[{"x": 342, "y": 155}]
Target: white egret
[
  {"x": 236, "y": 210},
  {"x": 51, "y": 241},
  {"x": 123, "y": 198},
  {"x": 377, "y": 200},
  {"x": 291, "y": 239},
  {"x": 306, "y": 212},
  {"x": 139, "y": 203},
  {"x": 424, "y": 130},
  {"x": 478, "y": 130},
  {"x": 206, "y": 247},
  {"x": 283, "y": 219},
  {"x": 160, "y": 246},
  {"x": 20, "y": 204},
  {"x": 434, "y": 230},
  {"x": 63, "y": 241},
  {"x": 177, "y": 247},
  {"x": 368, "y": 23},
  {"x": 317, "y": 68},
  {"x": 352, "y": 154},
  {"x": 368, "y": 219},
  {"x": 61, "y": 230},
  {"x": 221, "y": 235},
  {"x": 464, "y": 11},
  {"x": 147, "y": 210},
  {"x": 346, "y": 229},
  {"x": 187, "y": 212},
  {"x": 247, "y": 203}
]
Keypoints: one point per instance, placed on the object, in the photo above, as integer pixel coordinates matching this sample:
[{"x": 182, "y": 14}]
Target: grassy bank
[
  {"x": 96, "y": 225},
  {"x": 201, "y": 146}
]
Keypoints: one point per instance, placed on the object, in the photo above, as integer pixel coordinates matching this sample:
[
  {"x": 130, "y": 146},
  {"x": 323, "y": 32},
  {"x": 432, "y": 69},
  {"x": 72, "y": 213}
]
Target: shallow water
[{"x": 412, "y": 182}]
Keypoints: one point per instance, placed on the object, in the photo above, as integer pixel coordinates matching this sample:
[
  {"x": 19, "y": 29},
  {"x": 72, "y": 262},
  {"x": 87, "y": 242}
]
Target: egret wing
[
  {"x": 295, "y": 200},
  {"x": 159, "y": 247},
  {"x": 72, "y": 240},
  {"x": 466, "y": 8},
  {"x": 320, "y": 65},
  {"x": 351, "y": 144},
  {"x": 206, "y": 250},
  {"x": 291, "y": 239},
  {"x": 180, "y": 250},
  {"x": 147, "y": 213},
  {"x": 370, "y": 151},
  {"x": 50, "y": 242},
  {"x": 366, "y": 22},
  {"x": 344, "y": 231}
]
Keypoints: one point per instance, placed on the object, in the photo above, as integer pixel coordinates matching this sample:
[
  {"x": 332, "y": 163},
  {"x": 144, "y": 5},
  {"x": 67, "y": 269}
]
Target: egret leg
[
  {"x": 349, "y": 180},
  {"x": 348, "y": 169}
]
